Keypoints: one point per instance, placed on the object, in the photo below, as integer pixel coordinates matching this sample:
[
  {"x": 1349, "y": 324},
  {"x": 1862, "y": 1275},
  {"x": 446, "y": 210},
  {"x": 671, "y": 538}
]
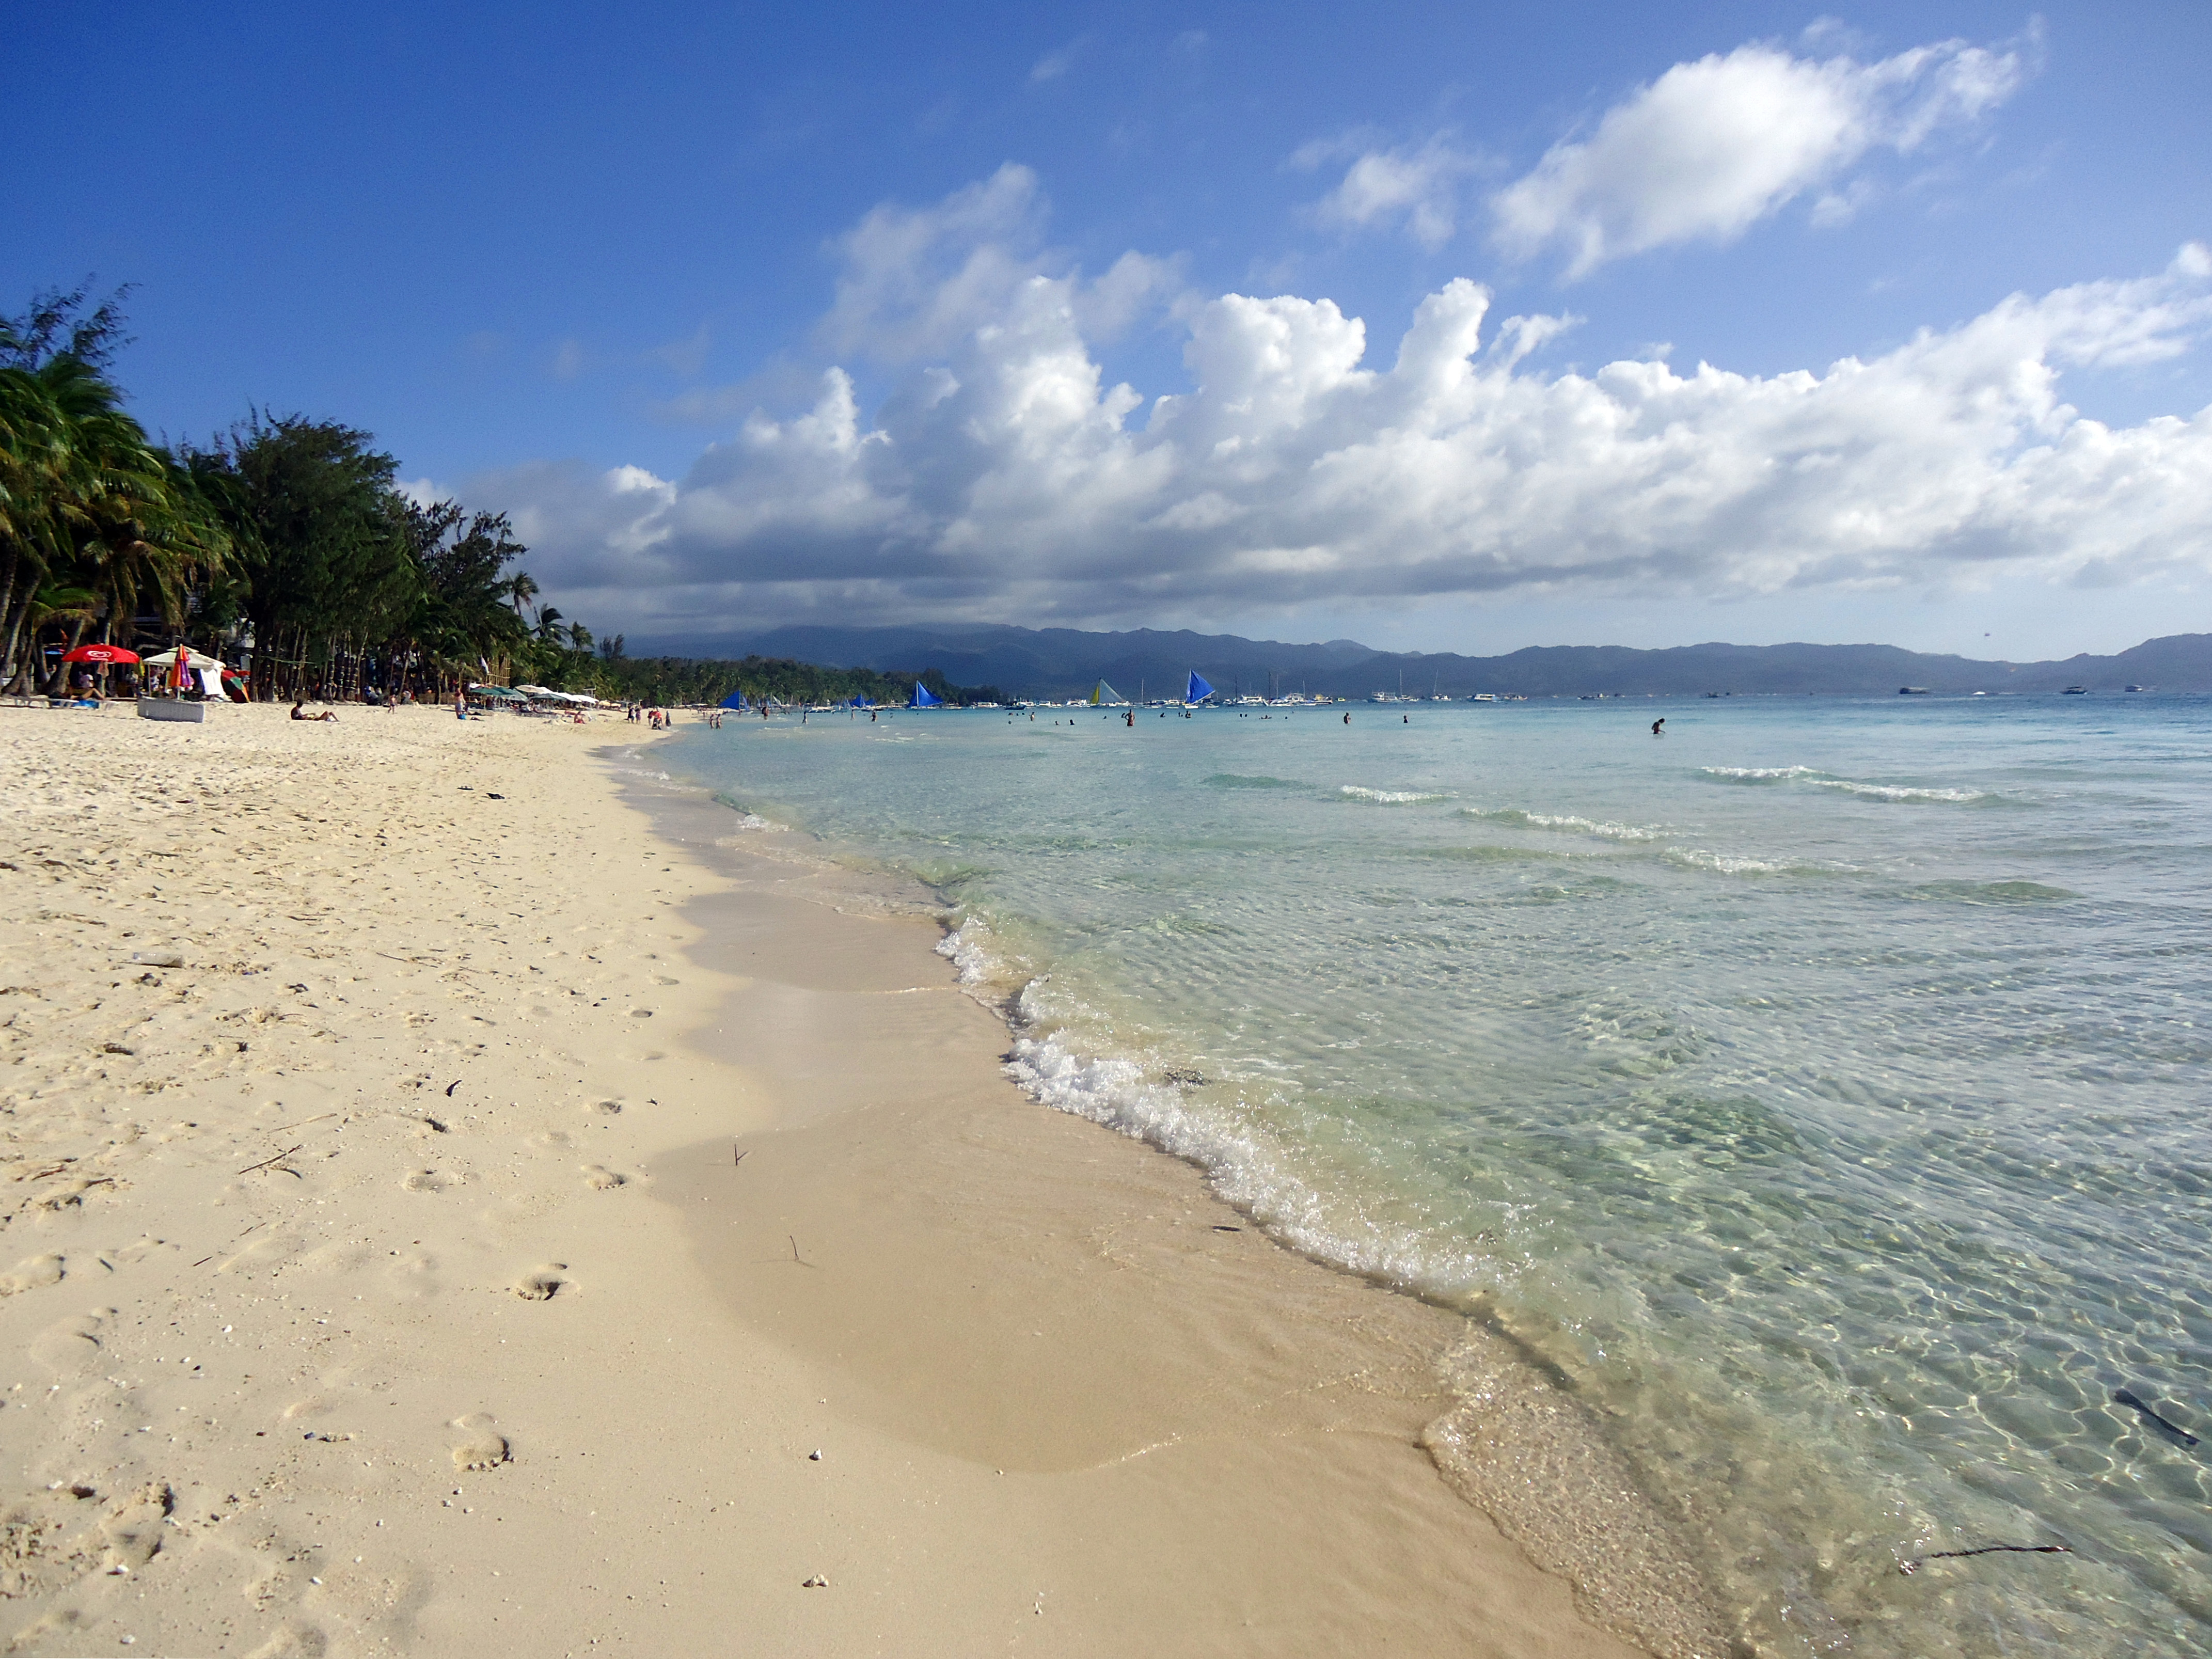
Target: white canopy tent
[{"x": 206, "y": 670}]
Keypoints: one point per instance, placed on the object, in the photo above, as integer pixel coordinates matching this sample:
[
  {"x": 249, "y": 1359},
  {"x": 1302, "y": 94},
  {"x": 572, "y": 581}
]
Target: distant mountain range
[{"x": 1060, "y": 662}]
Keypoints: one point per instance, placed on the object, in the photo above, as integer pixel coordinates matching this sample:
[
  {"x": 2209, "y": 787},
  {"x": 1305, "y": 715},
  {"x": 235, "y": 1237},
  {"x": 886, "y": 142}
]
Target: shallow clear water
[{"x": 1821, "y": 1087}]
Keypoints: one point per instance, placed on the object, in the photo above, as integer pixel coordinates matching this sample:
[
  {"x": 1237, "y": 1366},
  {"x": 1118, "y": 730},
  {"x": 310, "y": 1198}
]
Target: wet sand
[{"x": 388, "y": 1276}]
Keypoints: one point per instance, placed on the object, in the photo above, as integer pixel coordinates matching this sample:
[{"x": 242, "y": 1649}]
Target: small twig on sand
[
  {"x": 266, "y": 1162},
  {"x": 795, "y": 1255},
  {"x": 204, "y": 1259},
  {"x": 739, "y": 1159},
  {"x": 302, "y": 1124}
]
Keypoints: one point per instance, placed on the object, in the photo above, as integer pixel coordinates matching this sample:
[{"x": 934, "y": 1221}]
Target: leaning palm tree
[{"x": 48, "y": 473}]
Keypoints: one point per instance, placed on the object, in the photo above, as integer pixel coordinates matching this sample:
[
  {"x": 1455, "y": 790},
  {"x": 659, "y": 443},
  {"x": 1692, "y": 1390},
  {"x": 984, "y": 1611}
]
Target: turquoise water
[{"x": 1819, "y": 1089}]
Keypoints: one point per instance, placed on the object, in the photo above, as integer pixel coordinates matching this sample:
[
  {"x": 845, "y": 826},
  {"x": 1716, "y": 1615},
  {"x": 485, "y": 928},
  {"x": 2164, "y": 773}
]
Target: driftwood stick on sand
[{"x": 266, "y": 1162}]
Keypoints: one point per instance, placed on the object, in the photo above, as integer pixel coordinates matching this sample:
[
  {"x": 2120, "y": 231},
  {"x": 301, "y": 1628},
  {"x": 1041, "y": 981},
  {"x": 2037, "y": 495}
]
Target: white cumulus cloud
[
  {"x": 1712, "y": 147},
  {"x": 1004, "y": 477},
  {"x": 1419, "y": 187}
]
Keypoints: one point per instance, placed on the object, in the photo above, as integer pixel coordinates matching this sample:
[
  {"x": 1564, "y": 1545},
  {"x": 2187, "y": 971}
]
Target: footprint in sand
[
  {"x": 432, "y": 1181},
  {"x": 71, "y": 1346},
  {"x": 133, "y": 1531},
  {"x": 605, "y": 1108},
  {"x": 542, "y": 1284},
  {"x": 31, "y": 1273},
  {"x": 600, "y": 1178},
  {"x": 483, "y": 1448},
  {"x": 295, "y": 1641}
]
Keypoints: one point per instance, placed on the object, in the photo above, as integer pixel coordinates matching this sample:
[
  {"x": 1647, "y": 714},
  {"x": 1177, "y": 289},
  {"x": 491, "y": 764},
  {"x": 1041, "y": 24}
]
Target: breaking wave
[
  {"x": 1566, "y": 823},
  {"x": 1389, "y": 797},
  {"x": 1818, "y": 780}
]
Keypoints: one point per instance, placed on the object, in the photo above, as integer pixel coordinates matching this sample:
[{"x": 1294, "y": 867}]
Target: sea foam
[
  {"x": 1567, "y": 824},
  {"x": 1389, "y": 797},
  {"x": 1819, "y": 779}
]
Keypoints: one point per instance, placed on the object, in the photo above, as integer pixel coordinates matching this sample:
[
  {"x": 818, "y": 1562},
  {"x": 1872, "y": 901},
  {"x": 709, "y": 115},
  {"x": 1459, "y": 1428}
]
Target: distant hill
[{"x": 1059, "y": 662}]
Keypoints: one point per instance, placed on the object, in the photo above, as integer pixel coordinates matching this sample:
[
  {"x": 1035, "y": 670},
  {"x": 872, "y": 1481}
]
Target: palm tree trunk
[{"x": 8, "y": 620}]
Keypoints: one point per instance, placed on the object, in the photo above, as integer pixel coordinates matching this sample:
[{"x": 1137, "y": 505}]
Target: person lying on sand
[{"x": 325, "y": 715}]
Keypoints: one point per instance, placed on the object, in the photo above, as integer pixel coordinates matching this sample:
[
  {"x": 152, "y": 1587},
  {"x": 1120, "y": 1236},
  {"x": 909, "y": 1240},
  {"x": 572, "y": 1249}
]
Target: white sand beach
[{"x": 447, "y": 1210}]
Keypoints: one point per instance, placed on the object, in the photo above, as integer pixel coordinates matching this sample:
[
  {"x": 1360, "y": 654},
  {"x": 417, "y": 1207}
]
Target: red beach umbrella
[{"x": 101, "y": 654}]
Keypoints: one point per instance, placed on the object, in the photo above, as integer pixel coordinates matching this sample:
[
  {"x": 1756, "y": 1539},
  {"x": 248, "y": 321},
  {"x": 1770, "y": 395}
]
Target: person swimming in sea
[{"x": 1657, "y": 724}]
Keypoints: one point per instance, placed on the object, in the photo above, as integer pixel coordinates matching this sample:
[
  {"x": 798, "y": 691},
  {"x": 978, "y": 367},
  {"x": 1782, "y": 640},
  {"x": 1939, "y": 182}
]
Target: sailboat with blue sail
[
  {"x": 922, "y": 698},
  {"x": 1197, "y": 691}
]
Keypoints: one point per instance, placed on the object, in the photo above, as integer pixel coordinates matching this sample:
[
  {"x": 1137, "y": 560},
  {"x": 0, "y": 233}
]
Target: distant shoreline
[{"x": 1059, "y": 663}]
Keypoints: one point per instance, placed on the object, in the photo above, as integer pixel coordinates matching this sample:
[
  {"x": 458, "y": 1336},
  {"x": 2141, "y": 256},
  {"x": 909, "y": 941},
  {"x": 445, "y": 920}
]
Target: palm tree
[{"x": 43, "y": 475}]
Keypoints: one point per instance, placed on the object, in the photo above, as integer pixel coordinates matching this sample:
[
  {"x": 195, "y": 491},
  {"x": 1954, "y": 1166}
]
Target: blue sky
[{"x": 592, "y": 263}]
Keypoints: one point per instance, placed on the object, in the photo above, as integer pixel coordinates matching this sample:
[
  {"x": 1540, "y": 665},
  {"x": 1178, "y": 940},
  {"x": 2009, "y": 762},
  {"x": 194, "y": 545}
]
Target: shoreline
[
  {"x": 339, "y": 1328},
  {"x": 1498, "y": 1432}
]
